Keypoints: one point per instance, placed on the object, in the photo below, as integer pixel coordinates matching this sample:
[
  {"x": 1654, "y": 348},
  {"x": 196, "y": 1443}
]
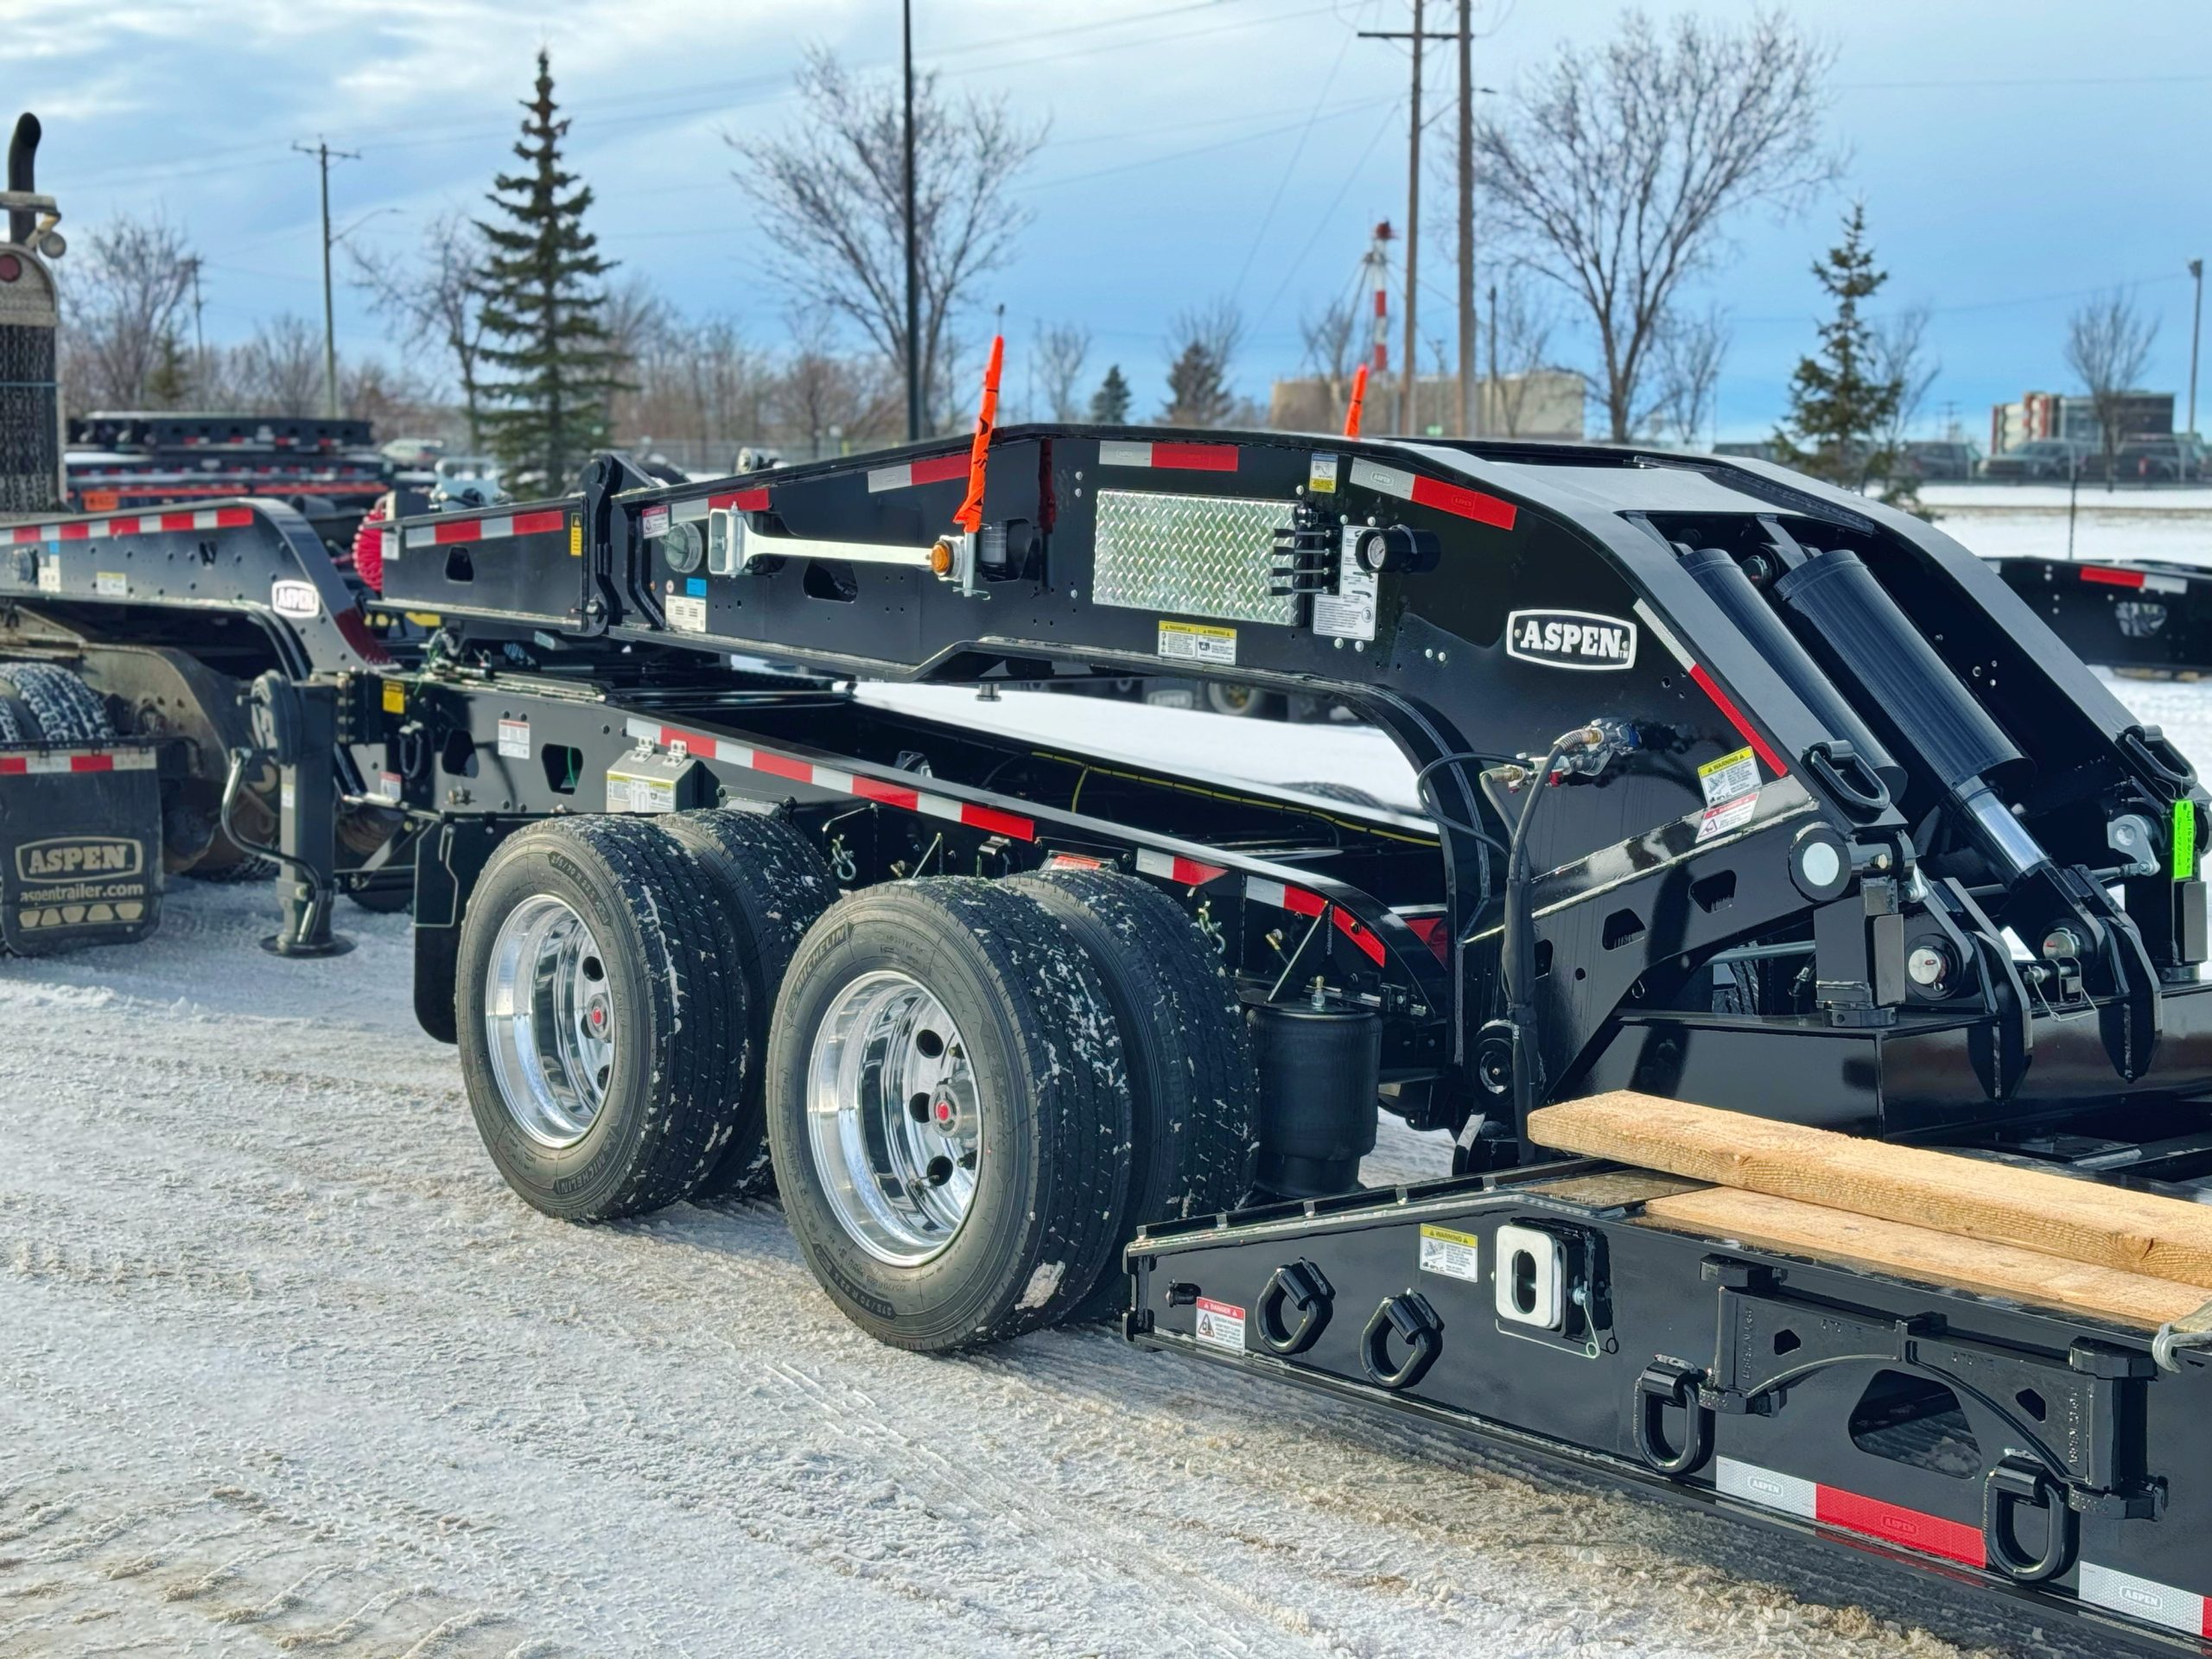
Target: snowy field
[{"x": 284, "y": 1368}]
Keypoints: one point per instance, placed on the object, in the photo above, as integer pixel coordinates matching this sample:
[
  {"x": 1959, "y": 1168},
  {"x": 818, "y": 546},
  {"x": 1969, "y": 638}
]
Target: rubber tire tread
[
  {"x": 1049, "y": 997},
  {"x": 1194, "y": 1087},
  {"x": 67, "y": 709},
  {"x": 773, "y": 885},
  {"x": 696, "y": 1016}
]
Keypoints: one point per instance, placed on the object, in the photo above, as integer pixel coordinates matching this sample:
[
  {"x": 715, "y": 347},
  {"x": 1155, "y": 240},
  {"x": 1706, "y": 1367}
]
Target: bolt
[{"x": 1340, "y": 644}]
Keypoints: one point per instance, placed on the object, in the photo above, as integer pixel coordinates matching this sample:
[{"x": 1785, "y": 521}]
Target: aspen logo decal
[
  {"x": 1571, "y": 639},
  {"x": 77, "y": 857}
]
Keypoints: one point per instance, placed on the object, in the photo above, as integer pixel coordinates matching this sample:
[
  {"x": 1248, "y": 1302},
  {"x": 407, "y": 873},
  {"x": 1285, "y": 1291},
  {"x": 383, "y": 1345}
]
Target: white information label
[
  {"x": 1221, "y": 1324},
  {"x": 687, "y": 615},
  {"x": 630, "y": 792},
  {"x": 1196, "y": 642},
  {"x": 514, "y": 739},
  {"x": 1454, "y": 1254},
  {"x": 110, "y": 584},
  {"x": 287, "y": 797},
  {"x": 1730, "y": 814},
  {"x": 1348, "y": 613},
  {"x": 1730, "y": 775},
  {"x": 49, "y": 573},
  {"x": 1321, "y": 475}
]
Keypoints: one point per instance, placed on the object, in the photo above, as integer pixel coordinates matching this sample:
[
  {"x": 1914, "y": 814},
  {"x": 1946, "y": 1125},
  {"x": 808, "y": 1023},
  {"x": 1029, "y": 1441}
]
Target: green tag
[{"x": 2184, "y": 861}]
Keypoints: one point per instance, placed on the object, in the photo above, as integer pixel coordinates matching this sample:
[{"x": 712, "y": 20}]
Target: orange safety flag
[
  {"x": 1358, "y": 403},
  {"x": 970, "y": 516}
]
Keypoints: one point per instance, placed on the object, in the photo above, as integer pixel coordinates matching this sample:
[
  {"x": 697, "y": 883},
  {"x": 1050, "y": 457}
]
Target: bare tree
[
  {"x": 1688, "y": 353},
  {"x": 1901, "y": 356},
  {"x": 125, "y": 296},
  {"x": 824, "y": 399},
  {"x": 2108, "y": 345},
  {"x": 1617, "y": 167},
  {"x": 1332, "y": 345},
  {"x": 831, "y": 200},
  {"x": 1201, "y": 348},
  {"x": 279, "y": 371},
  {"x": 434, "y": 300},
  {"x": 1061, "y": 353}
]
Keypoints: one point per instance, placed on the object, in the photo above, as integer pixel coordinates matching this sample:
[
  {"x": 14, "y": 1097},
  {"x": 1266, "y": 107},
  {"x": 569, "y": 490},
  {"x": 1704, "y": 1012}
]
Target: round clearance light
[
  {"x": 10, "y": 267},
  {"x": 682, "y": 547},
  {"x": 53, "y": 244},
  {"x": 1819, "y": 863},
  {"x": 941, "y": 558}
]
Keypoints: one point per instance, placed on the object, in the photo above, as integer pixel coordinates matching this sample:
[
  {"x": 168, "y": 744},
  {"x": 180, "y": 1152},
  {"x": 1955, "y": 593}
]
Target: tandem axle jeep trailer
[{"x": 1737, "y": 790}]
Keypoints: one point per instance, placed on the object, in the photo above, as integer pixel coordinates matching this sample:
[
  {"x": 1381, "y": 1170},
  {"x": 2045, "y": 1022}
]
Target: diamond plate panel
[{"x": 1189, "y": 555}]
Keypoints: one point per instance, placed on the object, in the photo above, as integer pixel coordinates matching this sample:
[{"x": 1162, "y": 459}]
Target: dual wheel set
[{"x": 968, "y": 1094}]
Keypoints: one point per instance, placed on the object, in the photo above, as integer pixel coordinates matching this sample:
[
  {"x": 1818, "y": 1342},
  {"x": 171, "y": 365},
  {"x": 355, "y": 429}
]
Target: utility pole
[
  {"x": 913, "y": 285},
  {"x": 1409, "y": 388},
  {"x": 2195, "y": 333},
  {"x": 198, "y": 340},
  {"x": 1468, "y": 421},
  {"x": 1495, "y": 391},
  {"x": 323, "y": 154}
]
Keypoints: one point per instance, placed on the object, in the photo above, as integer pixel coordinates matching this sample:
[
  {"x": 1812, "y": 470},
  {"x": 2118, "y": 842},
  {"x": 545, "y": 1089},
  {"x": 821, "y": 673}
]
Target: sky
[{"x": 2016, "y": 159}]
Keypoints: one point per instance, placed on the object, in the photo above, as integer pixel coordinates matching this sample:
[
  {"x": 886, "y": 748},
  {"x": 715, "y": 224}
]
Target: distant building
[
  {"x": 1546, "y": 404},
  {"x": 2053, "y": 415}
]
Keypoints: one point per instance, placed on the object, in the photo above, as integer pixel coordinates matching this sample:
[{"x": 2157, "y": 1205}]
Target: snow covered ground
[
  {"x": 1999, "y": 521},
  {"x": 283, "y": 1368}
]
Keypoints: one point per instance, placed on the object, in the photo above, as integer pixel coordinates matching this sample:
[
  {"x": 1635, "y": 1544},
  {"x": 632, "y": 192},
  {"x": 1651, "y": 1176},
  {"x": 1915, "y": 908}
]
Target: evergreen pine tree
[
  {"x": 1840, "y": 406},
  {"x": 1195, "y": 393},
  {"x": 552, "y": 367},
  {"x": 169, "y": 383},
  {"x": 1109, "y": 404}
]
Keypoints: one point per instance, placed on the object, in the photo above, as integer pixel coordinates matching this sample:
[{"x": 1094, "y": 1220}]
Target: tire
[
  {"x": 1349, "y": 794},
  {"x": 14, "y": 725},
  {"x": 65, "y": 709},
  {"x": 1030, "y": 1078},
  {"x": 1240, "y": 701},
  {"x": 772, "y": 885},
  {"x": 1193, "y": 1089},
  {"x": 673, "y": 1013}
]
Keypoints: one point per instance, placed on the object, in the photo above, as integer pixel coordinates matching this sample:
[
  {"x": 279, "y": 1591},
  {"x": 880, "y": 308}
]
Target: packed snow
[{"x": 285, "y": 1367}]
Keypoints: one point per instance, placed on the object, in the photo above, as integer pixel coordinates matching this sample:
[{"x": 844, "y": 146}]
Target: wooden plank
[
  {"x": 1754, "y": 1219},
  {"x": 1970, "y": 1197}
]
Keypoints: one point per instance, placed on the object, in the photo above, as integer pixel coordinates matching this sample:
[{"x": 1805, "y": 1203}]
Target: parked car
[
  {"x": 466, "y": 482},
  {"x": 412, "y": 455},
  {"x": 1938, "y": 460},
  {"x": 2038, "y": 458},
  {"x": 2176, "y": 460}
]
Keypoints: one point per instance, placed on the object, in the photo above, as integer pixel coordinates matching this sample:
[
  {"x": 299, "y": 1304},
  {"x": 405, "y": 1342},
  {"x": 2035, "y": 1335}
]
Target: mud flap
[{"x": 80, "y": 848}]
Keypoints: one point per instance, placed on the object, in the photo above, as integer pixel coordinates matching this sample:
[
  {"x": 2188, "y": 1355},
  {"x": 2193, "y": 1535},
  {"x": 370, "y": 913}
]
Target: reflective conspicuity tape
[
  {"x": 908, "y": 475},
  {"x": 1170, "y": 457},
  {"x": 1456, "y": 499},
  {"x": 1888, "y": 1523},
  {"x": 2143, "y": 580},
  {"x": 143, "y": 524},
  {"x": 1711, "y": 687},
  {"x": 499, "y": 527},
  {"x": 772, "y": 765},
  {"x": 697, "y": 508},
  {"x": 1184, "y": 872},
  {"x": 2146, "y": 1599},
  {"x": 1298, "y": 902},
  {"x": 49, "y": 761}
]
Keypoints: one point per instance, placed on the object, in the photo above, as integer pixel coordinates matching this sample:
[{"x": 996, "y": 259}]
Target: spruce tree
[
  {"x": 1197, "y": 393},
  {"x": 1840, "y": 404},
  {"x": 1109, "y": 404},
  {"x": 552, "y": 368}
]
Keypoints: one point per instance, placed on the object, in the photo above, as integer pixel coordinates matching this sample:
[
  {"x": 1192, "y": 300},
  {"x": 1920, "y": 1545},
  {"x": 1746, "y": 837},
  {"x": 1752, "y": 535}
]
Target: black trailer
[
  {"x": 2141, "y": 616},
  {"x": 1738, "y": 790}
]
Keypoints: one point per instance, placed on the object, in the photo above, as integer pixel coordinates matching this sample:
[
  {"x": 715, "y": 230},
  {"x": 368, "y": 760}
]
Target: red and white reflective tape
[
  {"x": 143, "y": 524},
  {"x": 158, "y": 490},
  {"x": 2146, "y": 1599},
  {"x": 1298, "y": 902},
  {"x": 61, "y": 760},
  {"x": 1889, "y": 1524},
  {"x": 909, "y": 474},
  {"x": 2113, "y": 576},
  {"x": 1711, "y": 687},
  {"x": 1455, "y": 498},
  {"x": 829, "y": 777},
  {"x": 1169, "y": 457},
  {"x": 446, "y": 531},
  {"x": 695, "y": 510},
  {"x": 1184, "y": 872}
]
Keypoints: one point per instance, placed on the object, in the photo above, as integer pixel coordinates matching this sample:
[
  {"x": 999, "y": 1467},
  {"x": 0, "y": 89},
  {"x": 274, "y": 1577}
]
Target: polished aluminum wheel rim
[
  {"x": 548, "y": 1012},
  {"x": 894, "y": 1118}
]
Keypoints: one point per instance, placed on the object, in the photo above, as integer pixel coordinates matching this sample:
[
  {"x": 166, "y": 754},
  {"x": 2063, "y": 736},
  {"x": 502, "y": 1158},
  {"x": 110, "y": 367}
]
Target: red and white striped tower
[{"x": 1377, "y": 267}]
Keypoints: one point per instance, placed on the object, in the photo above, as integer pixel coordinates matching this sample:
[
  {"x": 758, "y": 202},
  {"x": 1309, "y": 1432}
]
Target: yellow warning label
[
  {"x": 1195, "y": 642},
  {"x": 575, "y": 538},
  {"x": 395, "y": 697},
  {"x": 1454, "y": 1254},
  {"x": 1731, "y": 775}
]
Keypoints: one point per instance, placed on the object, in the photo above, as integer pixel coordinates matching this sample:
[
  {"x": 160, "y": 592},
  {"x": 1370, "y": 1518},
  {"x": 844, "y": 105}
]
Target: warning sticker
[
  {"x": 1730, "y": 814},
  {"x": 514, "y": 739},
  {"x": 632, "y": 792},
  {"x": 1321, "y": 475},
  {"x": 1194, "y": 642},
  {"x": 575, "y": 538},
  {"x": 1221, "y": 1324},
  {"x": 395, "y": 697},
  {"x": 390, "y": 786},
  {"x": 49, "y": 574},
  {"x": 653, "y": 522},
  {"x": 1730, "y": 775},
  {"x": 1348, "y": 613},
  {"x": 1456, "y": 1255},
  {"x": 686, "y": 614},
  {"x": 110, "y": 584}
]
